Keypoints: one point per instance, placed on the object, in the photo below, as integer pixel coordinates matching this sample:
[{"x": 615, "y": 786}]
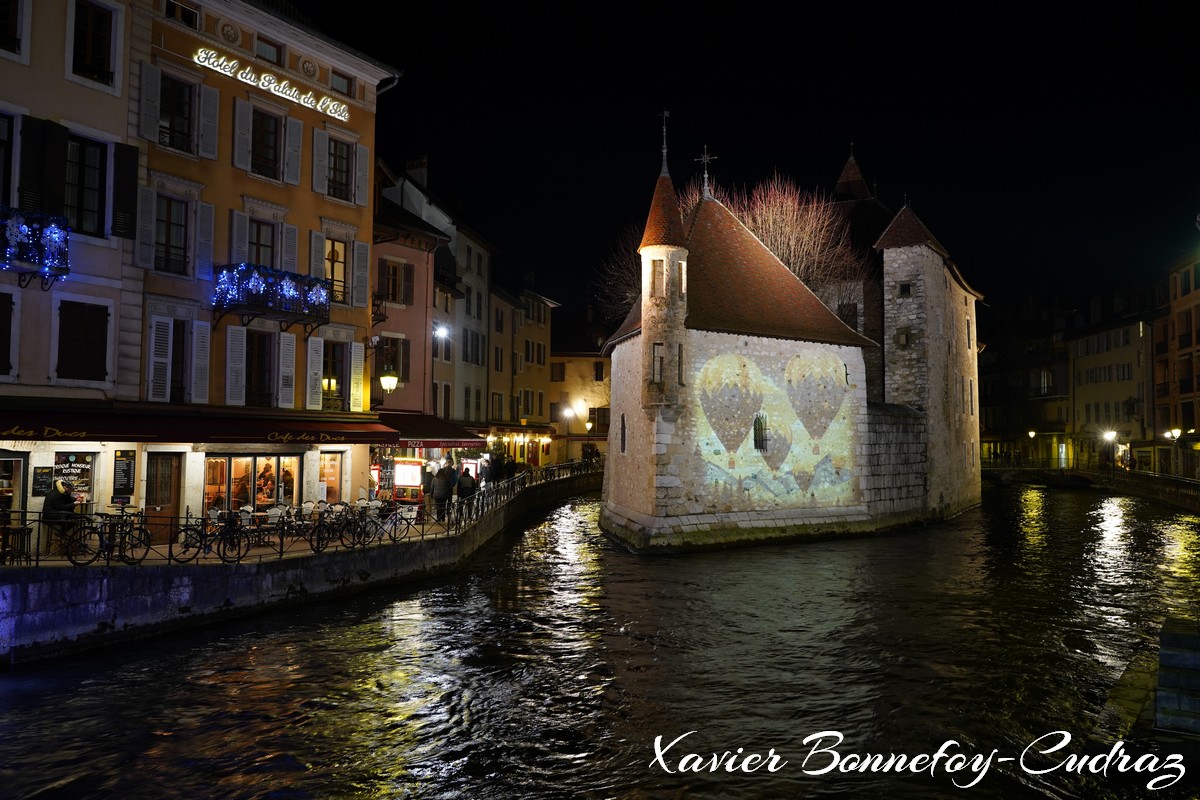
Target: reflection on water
[{"x": 548, "y": 669}]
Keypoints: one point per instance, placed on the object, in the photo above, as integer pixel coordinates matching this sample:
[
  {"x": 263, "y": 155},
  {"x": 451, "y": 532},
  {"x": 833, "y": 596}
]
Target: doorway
[{"x": 162, "y": 495}]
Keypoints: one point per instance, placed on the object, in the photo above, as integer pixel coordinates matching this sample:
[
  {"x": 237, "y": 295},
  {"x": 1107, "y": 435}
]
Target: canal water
[{"x": 552, "y": 666}]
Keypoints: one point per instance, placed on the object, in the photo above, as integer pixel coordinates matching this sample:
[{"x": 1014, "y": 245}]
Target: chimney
[{"x": 418, "y": 168}]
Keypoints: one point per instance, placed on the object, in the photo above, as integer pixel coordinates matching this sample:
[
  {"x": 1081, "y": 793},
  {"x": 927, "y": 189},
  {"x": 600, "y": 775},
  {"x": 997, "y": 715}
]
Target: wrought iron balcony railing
[
  {"x": 253, "y": 291},
  {"x": 35, "y": 245}
]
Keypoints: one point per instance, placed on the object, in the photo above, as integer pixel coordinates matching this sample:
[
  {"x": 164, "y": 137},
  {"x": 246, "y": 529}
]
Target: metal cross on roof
[{"x": 704, "y": 159}]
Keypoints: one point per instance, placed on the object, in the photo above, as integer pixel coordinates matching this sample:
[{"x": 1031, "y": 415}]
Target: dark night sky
[{"x": 1056, "y": 145}]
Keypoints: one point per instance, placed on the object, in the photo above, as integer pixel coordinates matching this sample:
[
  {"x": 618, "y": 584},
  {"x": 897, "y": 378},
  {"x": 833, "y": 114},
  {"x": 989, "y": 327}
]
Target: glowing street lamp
[
  {"x": 1111, "y": 438},
  {"x": 388, "y": 379}
]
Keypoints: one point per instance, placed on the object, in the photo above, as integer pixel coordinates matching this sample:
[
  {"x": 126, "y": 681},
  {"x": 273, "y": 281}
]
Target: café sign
[{"x": 271, "y": 83}]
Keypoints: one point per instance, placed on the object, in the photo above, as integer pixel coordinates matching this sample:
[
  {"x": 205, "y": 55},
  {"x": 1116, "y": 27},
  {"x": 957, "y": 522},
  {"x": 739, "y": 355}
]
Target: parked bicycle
[
  {"x": 226, "y": 537},
  {"x": 122, "y": 536}
]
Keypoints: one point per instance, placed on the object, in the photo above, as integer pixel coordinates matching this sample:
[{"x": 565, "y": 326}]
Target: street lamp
[
  {"x": 1032, "y": 449},
  {"x": 1173, "y": 435},
  {"x": 388, "y": 379},
  {"x": 1111, "y": 438}
]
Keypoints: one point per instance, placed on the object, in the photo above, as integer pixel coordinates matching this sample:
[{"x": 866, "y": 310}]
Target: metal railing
[{"x": 244, "y": 535}]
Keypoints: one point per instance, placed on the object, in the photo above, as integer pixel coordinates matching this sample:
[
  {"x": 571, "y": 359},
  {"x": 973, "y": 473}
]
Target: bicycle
[
  {"x": 361, "y": 525},
  {"x": 228, "y": 538},
  {"x": 123, "y": 536}
]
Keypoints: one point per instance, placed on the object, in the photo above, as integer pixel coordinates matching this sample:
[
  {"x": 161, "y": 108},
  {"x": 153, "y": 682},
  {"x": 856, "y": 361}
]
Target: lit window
[{"x": 335, "y": 270}]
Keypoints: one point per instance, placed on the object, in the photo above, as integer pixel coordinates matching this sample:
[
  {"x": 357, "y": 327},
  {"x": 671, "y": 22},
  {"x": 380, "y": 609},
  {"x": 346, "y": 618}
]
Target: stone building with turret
[{"x": 742, "y": 406}]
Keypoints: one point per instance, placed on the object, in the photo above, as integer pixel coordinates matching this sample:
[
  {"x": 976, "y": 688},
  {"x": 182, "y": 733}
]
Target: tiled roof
[
  {"x": 664, "y": 225},
  {"x": 851, "y": 185},
  {"x": 908, "y": 231},
  {"x": 736, "y": 285}
]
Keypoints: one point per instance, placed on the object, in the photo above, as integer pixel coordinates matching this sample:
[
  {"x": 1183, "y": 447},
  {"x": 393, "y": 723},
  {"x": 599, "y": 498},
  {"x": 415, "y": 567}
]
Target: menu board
[
  {"x": 76, "y": 468},
  {"x": 123, "y": 472},
  {"x": 43, "y": 480}
]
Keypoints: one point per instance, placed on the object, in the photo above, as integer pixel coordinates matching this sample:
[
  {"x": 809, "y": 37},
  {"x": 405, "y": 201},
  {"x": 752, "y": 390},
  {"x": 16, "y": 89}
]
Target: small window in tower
[
  {"x": 681, "y": 278},
  {"x": 622, "y": 433},
  {"x": 657, "y": 278},
  {"x": 680, "y": 362},
  {"x": 906, "y": 290},
  {"x": 656, "y": 363}
]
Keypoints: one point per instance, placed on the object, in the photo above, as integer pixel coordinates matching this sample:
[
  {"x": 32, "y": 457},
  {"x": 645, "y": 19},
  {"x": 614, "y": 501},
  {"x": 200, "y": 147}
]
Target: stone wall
[
  {"x": 52, "y": 611},
  {"x": 895, "y": 471}
]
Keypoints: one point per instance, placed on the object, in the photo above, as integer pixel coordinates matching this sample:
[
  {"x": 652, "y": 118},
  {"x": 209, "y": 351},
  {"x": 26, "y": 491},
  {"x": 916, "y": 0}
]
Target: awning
[
  {"x": 411, "y": 429},
  {"x": 146, "y": 426}
]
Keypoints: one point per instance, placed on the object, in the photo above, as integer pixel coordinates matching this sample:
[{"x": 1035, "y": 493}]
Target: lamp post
[
  {"x": 1032, "y": 449},
  {"x": 1111, "y": 438},
  {"x": 1174, "y": 435}
]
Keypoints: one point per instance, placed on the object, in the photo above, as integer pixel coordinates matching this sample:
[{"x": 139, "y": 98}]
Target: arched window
[{"x": 762, "y": 436}]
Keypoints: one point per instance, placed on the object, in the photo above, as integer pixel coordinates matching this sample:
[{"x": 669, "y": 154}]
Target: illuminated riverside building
[
  {"x": 220, "y": 310},
  {"x": 740, "y": 407}
]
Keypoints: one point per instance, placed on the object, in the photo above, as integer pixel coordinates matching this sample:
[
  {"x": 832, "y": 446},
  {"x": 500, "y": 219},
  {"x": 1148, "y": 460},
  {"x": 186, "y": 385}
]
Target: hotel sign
[{"x": 271, "y": 83}]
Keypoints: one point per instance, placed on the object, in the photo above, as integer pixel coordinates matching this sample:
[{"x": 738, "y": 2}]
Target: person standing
[
  {"x": 442, "y": 490},
  {"x": 58, "y": 509},
  {"x": 466, "y": 485}
]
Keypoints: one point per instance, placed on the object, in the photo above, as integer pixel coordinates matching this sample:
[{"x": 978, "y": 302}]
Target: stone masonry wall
[{"x": 894, "y": 474}]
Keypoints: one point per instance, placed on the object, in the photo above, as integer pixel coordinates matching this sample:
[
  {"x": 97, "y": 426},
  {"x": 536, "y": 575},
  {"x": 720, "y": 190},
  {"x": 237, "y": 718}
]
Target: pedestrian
[
  {"x": 466, "y": 484},
  {"x": 485, "y": 472},
  {"x": 58, "y": 509},
  {"x": 442, "y": 490}
]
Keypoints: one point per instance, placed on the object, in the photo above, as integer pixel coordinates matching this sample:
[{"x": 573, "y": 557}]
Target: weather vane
[
  {"x": 704, "y": 159},
  {"x": 664, "y": 116}
]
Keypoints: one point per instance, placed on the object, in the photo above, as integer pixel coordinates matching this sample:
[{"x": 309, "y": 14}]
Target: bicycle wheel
[
  {"x": 320, "y": 535},
  {"x": 81, "y": 545},
  {"x": 135, "y": 545},
  {"x": 191, "y": 542},
  {"x": 232, "y": 545}
]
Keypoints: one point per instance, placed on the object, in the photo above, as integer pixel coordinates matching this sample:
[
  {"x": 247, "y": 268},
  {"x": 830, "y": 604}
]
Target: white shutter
[
  {"x": 235, "y": 366},
  {"x": 143, "y": 248},
  {"x": 287, "y": 371},
  {"x": 239, "y": 237},
  {"x": 158, "y": 370},
  {"x": 356, "y": 376},
  {"x": 314, "y": 365},
  {"x": 200, "y": 337},
  {"x": 243, "y": 116},
  {"x": 148, "y": 107},
  {"x": 294, "y": 146},
  {"x": 210, "y": 114},
  {"x": 362, "y": 175},
  {"x": 291, "y": 236},
  {"x": 360, "y": 289},
  {"x": 206, "y": 222},
  {"x": 320, "y": 172},
  {"x": 316, "y": 254}
]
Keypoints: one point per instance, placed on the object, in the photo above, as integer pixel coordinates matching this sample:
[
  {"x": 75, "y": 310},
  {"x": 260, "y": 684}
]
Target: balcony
[
  {"x": 35, "y": 245},
  {"x": 253, "y": 291}
]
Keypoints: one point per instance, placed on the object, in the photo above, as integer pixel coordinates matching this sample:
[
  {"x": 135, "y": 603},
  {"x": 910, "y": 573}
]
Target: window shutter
[
  {"x": 239, "y": 238},
  {"x": 294, "y": 145},
  {"x": 158, "y": 372},
  {"x": 210, "y": 112},
  {"x": 33, "y": 156},
  {"x": 316, "y": 254},
  {"x": 6, "y": 337},
  {"x": 148, "y": 109},
  {"x": 405, "y": 360},
  {"x": 125, "y": 194},
  {"x": 314, "y": 364},
  {"x": 356, "y": 376},
  {"x": 320, "y": 172},
  {"x": 205, "y": 231},
  {"x": 243, "y": 115},
  {"x": 235, "y": 366},
  {"x": 287, "y": 371},
  {"x": 291, "y": 236},
  {"x": 406, "y": 295},
  {"x": 362, "y": 175},
  {"x": 360, "y": 290},
  {"x": 146, "y": 209},
  {"x": 200, "y": 355}
]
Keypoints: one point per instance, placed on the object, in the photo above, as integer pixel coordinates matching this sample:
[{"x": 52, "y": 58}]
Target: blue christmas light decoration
[{"x": 253, "y": 289}]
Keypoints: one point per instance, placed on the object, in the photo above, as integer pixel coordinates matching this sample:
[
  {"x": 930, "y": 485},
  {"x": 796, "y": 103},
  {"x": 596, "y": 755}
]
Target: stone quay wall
[
  {"x": 53, "y": 611},
  {"x": 895, "y": 472}
]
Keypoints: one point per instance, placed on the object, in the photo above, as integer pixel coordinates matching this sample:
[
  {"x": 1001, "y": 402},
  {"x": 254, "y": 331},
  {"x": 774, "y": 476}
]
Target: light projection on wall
[{"x": 808, "y": 457}]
